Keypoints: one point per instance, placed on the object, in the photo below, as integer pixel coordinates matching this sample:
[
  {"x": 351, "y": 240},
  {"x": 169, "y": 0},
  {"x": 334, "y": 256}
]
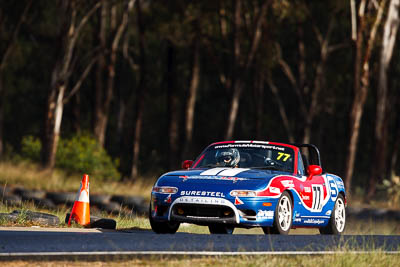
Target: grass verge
[
  {"x": 344, "y": 259},
  {"x": 31, "y": 176}
]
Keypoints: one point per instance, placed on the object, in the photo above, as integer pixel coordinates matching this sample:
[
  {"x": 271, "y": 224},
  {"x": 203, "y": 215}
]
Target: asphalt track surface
[{"x": 39, "y": 242}]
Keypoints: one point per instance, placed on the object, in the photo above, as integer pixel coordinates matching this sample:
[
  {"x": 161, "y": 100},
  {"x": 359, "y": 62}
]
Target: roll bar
[{"x": 312, "y": 150}]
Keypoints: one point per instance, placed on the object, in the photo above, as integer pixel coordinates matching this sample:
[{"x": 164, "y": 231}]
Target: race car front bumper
[
  {"x": 251, "y": 212},
  {"x": 203, "y": 210}
]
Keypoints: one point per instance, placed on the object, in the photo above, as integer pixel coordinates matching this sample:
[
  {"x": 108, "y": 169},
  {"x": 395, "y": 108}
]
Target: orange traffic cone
[{"x": 81, "y": 210}]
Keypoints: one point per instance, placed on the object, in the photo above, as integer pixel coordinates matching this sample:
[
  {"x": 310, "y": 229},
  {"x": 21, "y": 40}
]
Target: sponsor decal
[
  {"x": 297, "y": 220},
  {"x": 202, "y": 200},
  {"x": 274, "y": 190},
  {"x": 265, "y": 214},
  {"x": 184, "y": 177},
  {"x": 202, "y": 193},
  {"x": 333, "y": 188},
  {"x": 340, "y": 184},
  {"x": 287, "y": 183},
  {"x": 314, "y": 221},
  {"x": 318, "y": 192},
  {"x": 307, "y": 189},
  {"x": 209, "y": 177},
  {"x": 251, "y": 145},
  {"x": 168, "y": 199},
  {"x": 238, "y": 201},
  {"x": 306, "y": 197}
]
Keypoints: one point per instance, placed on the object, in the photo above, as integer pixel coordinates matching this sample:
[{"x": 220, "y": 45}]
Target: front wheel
[
  {"x": 221, "y": 229},
  {"x": 282, "y": 217},
  {"x": 163, "y": 227},
  {"x": 337, "y": 222}
]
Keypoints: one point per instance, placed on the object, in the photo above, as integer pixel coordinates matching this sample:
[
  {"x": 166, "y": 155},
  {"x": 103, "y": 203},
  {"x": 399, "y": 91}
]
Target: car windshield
[{"x": 247, "y": 155}]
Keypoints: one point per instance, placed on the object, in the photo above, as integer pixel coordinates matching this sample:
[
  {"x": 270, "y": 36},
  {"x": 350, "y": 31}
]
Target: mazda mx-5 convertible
[{"x": 248, "y": 184}]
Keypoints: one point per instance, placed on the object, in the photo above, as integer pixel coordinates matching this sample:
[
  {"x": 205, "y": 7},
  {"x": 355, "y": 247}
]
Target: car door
[{"x": 313, "y": 188}]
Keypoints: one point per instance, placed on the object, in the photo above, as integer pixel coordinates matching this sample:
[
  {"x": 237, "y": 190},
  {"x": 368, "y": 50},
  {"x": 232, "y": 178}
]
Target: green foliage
[
  {"x": 30, "y": 148},
  {"x": 81, "y": 154},
  {"x": 392, "y": 187}
]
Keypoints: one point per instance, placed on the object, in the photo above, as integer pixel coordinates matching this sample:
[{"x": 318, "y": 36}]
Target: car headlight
[
  {"x": 165, "y": 189},
  {"x": 243, "y": 193}
]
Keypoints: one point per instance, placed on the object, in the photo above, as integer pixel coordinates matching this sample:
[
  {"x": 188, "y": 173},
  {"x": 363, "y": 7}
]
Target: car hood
[{"x": 218, "y": 179}]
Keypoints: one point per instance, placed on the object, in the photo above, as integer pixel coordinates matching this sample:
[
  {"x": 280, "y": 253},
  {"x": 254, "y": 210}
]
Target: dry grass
[
  {"x": 347, "y": 259},
  {"x": 31, "y": 176}
]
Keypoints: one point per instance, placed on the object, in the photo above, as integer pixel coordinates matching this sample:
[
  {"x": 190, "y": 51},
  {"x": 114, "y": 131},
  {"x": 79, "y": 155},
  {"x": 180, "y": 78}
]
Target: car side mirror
[
  {"x": 314, "y": 170},
  {"x": 187, "y": 164}
]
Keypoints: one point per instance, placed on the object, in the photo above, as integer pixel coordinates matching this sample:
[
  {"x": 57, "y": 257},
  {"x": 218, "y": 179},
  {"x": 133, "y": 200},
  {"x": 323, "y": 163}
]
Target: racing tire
[
  {"x": 103, "y": 223},
  {"x": 283, "y": 216},
  {"x": 62, "y": 198},
  {"x": 337, "y": 222},
  {"x": 163, "y": 227},
  {"x": 221, "y": 229}
]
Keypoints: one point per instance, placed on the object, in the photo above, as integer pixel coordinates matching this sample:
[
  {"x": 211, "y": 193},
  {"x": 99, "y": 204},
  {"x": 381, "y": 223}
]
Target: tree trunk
[
  {"x": 107, "y": 94},
  {"x": 378, "y": 168},
  {"x": 140, "y": 94},
  {"x": 396, "y": 146},
  {"x": 48, "y": 136},
  {"x": 282, "y": 110},
  {"x": 361, "y": 84},
  {"x": 98, "y": 125},
  {"x": 2, "y": 94},
  {"x": 191, "y": 99},
  {"x": 259, "y": 105},
  {"x": 234, "y": 108},
  {"x": 237, "y": 70},
  {"x": 172, "y": 108},
  {"x": 68, "y": 36},
  {"x": 242, "y": 64}
]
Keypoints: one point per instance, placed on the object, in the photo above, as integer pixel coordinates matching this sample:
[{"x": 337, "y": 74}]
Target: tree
[
  {"x": 191, "y": 98},
  {"x": 140, "y": 93},
  {"x": 361, "y": 80},
  {"x": 379, "y": 166},
  {"x": 5, "y": 56},
  {"x": 306, "y": 87},
  {"x": 69, "y": 31},
  {"x": 106, "y": 66},
  {"x": 242, "y": 61}
]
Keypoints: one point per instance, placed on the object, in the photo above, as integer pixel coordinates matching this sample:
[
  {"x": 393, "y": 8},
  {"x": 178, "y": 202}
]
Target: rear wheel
[
  {"x": 221, "y": 229},
  {"x": 163, "y": 227},
  {"x": 337, "y": 222},
  {"x": 283, "y": 216}
]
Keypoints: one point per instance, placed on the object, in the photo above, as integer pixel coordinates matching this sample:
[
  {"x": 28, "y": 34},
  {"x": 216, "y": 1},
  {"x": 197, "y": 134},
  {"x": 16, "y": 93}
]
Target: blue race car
[{"x": 247, "y": 184}]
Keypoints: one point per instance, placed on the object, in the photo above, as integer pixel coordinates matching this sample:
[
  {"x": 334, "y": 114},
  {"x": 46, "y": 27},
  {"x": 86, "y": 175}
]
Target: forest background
[{"x": 133, "y": 87}]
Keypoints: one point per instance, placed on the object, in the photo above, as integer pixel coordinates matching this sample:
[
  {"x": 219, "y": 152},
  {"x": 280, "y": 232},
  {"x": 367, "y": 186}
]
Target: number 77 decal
[{"x": 281, "y": 155}]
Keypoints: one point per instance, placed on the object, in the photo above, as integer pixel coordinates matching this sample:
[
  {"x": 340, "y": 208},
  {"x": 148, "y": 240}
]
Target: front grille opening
[
  {"x": 248, "y": 212},
  {"x": 208, "y": 211}
]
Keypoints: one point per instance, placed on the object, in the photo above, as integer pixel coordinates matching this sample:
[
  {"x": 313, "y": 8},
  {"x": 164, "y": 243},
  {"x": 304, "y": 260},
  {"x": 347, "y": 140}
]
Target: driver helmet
[{"x": 228, "y": 157}]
